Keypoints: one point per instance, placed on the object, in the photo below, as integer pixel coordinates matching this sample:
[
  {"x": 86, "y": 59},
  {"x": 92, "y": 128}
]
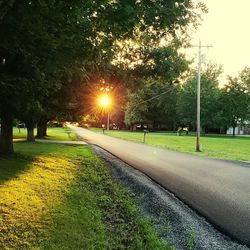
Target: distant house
[{"x": 240, "y": 130}]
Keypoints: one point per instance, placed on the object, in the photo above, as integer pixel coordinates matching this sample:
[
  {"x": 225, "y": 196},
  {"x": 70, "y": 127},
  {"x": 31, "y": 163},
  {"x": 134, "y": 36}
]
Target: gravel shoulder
[{"x": 176, "y": 222}]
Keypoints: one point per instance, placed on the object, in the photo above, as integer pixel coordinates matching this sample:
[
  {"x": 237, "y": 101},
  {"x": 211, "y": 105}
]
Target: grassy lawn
[
  {"x": 97, "y": 130},
  {"x": 65, "y": 134},
  {"x": 221, "y": 147},
  {"x": 54, "y": 196}
]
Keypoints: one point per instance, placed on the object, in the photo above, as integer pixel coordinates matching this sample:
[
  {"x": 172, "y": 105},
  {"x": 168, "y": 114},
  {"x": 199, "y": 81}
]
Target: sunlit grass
[
  {"x": 222, "y": 147},
  {"x": 61, "y": 134},
  {"x": 97, "y": 130},
  {"x": 65, "y": 134},
  {"x": 54, "y": 196},
  {"x": 27, "y": 198}
]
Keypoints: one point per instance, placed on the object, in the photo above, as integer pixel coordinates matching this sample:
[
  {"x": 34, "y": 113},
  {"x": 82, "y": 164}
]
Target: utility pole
[
  {"x": 198, "y": 124},
  {"x": 108, "y": 121}
]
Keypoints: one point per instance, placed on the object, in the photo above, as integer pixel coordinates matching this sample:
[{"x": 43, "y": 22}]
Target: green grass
[
  {"x": 221, "y": 147},
  {"x": 97, "y": 130},
  {"x": 54, "y": 196},
  {"x": 65, "y": 134}
]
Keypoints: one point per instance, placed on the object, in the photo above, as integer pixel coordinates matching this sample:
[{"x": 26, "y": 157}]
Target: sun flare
[{"x": 104, "y": 101}]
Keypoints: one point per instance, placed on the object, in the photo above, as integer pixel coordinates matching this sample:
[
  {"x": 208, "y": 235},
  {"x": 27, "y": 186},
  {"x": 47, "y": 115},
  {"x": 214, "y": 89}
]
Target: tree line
[
  {"x": 52, "y": 51},
  {"x": 172, "y": 105}
]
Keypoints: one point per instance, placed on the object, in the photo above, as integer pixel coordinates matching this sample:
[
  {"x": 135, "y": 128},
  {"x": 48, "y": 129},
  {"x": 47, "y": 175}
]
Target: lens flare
[{"x": 104, "y": 101}]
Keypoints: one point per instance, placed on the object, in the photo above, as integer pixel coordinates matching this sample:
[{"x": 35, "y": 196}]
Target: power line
[{"x": 154, "y": 97}]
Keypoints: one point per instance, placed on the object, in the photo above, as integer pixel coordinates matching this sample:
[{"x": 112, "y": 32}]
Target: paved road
[{"x": 217, "y": 189}]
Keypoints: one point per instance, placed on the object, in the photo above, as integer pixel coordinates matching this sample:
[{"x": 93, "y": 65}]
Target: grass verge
[
  {"x": 65, "y": 134},
  {"x": 55, "y": 196},
  {"x": 221, "y": 147}
]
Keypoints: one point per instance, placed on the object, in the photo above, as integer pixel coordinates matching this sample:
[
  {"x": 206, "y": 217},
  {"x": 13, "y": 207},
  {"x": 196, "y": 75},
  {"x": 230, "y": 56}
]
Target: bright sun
[{"x": 104, "y": 101}]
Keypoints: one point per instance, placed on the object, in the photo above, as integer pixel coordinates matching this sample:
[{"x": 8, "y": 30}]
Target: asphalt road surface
[{"x": 217, "y": 189}]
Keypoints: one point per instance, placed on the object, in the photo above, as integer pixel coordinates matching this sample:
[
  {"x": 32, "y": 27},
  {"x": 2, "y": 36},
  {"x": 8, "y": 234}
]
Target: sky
[{"x": 227, "y": 28}]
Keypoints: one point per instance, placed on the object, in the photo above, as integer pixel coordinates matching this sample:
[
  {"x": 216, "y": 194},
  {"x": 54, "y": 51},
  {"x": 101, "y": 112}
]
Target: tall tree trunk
[
  {"x": 233, "y": 130},
  {"x": 41, "y": 128},
  {"x": 30, "y": 131},
  {"x": 6, "y": 136}
]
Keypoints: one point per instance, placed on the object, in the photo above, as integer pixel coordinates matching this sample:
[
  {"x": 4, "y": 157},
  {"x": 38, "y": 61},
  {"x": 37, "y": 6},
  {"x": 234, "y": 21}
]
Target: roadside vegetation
[
  {"x": 213, "y": 146},
  {"x": 55, "y": 196}
]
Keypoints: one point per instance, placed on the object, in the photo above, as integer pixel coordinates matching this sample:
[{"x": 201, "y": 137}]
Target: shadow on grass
[
  {"x": 25, "y": 153},
  {"x": 19, "y": 162},
  {"x": 11, "y": 167}
]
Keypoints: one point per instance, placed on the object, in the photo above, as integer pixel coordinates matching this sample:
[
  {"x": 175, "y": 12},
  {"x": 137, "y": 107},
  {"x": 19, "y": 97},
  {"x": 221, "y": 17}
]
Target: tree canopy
[
  {"x": 48, "y": 44},
  {"x": 235, "y": 100},
  {"x": 210, "y": 108},
  {"x": 153, "y": 104}
]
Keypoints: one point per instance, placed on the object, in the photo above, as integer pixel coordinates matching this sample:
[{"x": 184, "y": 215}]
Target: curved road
[{"x": 217, "y": 189}]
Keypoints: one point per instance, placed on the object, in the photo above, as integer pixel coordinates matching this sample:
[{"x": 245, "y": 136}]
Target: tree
[
  {"x": 210, "y": 93},
  {"x": 235, "y": 99},
  {"x": 30, "y": 52},
  {"x": 244, "y": 78},
  {"x": 153, "y": 104},
  {"x": 37, "y": 55},
  {"x": 245, "y": 81}
]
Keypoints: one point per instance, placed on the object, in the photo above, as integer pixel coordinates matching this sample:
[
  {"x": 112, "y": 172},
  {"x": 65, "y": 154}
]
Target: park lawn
[
  {"x": 221, "y": 147},
  {"x": 58, "y": 133},
  {"x": 55, "y": 196},
  {"x": 97, "y": 130}
]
